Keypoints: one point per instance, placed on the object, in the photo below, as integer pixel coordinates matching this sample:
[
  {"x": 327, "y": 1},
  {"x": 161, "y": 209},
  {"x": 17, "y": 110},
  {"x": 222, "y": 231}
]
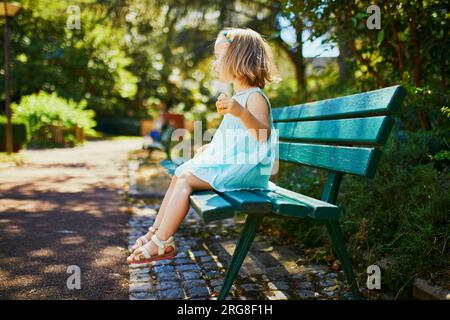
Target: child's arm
[{"x": 255, "y": 117}]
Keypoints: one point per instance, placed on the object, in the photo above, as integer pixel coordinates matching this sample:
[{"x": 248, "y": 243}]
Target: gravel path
[{"x": 62, "y": 208}]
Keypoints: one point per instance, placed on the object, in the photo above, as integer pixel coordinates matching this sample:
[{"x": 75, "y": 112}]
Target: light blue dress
[{"x": 234, "y": 159}]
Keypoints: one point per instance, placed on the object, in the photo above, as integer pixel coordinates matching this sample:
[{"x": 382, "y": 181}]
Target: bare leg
[
  {"x": 161, "y": 211},
  {"x": 178, "y": 206},
  {"x": 165, "y": 201}
]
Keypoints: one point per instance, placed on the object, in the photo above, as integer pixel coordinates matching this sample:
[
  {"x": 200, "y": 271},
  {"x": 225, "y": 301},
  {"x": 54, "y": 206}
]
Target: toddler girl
[{"x": 242, "y": 151}]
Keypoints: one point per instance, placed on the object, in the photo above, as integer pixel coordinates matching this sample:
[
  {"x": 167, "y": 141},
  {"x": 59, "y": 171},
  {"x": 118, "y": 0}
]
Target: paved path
[
  {"x": 269, "y": 272},
  {"x": 62, "y": 208}
]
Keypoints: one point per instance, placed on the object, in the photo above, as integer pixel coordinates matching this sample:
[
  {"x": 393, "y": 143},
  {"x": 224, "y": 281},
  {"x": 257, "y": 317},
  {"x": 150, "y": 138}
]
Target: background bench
[
  {"x": 164, "y": 145},
  {"x": 342, "y": 136}
]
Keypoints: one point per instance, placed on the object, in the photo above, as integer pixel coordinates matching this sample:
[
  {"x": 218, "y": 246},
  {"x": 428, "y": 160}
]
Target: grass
[
  {"x": 104, "y": 136},
  {"x": 16, "y": 158}
]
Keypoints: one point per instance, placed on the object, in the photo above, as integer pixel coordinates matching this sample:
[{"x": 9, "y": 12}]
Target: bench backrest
[
  {"x": 166, "y": 136},
  {"x": 340, "y": 135}
]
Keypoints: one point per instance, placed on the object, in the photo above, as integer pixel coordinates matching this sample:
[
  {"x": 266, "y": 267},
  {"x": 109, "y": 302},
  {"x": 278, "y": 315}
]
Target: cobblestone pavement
[{"x": 204, "y": 251}]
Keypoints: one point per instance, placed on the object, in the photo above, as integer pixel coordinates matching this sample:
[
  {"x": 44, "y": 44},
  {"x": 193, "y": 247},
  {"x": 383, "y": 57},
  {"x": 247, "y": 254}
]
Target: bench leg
[
  {"x": 248, "y": 234},
  {"x": 337, "y": 240}
]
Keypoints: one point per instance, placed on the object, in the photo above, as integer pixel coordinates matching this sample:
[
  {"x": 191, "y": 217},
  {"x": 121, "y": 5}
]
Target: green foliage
[
  {"x": 89, "y": 63},
  {"x": 284, "y": 93},
  {"x": 120, "y": 126},
  {"x": 441, "y": 155},
  {"x": 42, "y": 110},
  {"x": 411, "y": 49},
  {"x": 401, "y": 216},
  {"x": 399, "y": 219},
  {"x": 125, "y": 53}
]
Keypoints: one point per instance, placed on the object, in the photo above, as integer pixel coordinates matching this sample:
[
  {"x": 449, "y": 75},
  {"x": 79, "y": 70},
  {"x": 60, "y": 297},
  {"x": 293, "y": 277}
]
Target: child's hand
[
  {"x": 229, "y": 105},
  {"x": 202, "y": 148}
]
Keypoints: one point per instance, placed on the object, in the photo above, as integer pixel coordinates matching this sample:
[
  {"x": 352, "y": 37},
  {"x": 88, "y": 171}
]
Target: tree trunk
[
  {"x": 296, "y": 56},
  {"x": 415, "y": 63},
  {"x": 345, "y": 69},
  {"x": 345, "y": 49},
  {"x": 299, "y": 60}
]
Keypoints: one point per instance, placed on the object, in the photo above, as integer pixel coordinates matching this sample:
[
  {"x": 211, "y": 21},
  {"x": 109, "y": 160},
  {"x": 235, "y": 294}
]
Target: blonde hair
[{"x": 248, "y": 57}]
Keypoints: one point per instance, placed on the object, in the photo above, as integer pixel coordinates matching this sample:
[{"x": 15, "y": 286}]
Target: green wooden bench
[
  {"x": 164, "y": 145},
  {"x": 342, "y": 136}
]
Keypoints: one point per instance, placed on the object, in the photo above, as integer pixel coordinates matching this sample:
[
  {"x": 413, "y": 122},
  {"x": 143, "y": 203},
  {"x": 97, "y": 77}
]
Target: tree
[{"x": 409, "y": 49}]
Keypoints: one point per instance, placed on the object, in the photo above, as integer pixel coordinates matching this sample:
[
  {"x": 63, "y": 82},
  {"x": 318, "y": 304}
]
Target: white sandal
[
  {"x": 142, "y": 240},
  {"x": 142, "y": 254}
]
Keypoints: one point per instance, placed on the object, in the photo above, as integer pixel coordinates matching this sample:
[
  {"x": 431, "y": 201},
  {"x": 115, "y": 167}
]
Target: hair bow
[{"x": 228, "y": 36}]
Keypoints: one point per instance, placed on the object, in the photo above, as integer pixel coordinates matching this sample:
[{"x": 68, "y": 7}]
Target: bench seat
[
  {"x": 163, "y": 145},
  {"x": 169, "y": 166},
  {"x": 214, "y": 205}
]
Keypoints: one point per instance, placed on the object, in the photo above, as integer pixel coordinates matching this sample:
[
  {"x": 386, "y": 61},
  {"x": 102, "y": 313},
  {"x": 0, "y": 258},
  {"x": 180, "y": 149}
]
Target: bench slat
[
  {"x": 378, "y": 102},
  {"x": 284, "y": 205},
  {"x": 370, "y": 130},
  {"x": 321, "y": 209},
  {"x": 169, "y": 165},
  {"x": 353, "y": 160},
  {"x": 166, "y": 135},
  {"x": 247, "y": 202},
  {"x": 292, "y": 204},
  {"x": 210, "y": 206}
]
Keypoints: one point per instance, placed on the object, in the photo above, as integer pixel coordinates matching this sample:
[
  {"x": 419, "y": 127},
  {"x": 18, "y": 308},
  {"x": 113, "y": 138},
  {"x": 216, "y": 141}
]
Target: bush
[
  {"x": 398, "y": 220},
  {"x": 120, "y": 126},
  {"x": 19, "y": 134},
  {"x": 47, "y": 114}
]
